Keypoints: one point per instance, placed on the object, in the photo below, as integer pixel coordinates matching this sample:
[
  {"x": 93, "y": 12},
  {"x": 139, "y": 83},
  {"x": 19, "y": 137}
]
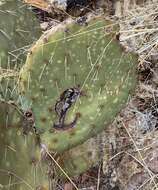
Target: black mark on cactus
[
  {"x": 43, "y": 119},
  {"x": 28, "y": 122},
  {"x": 28, "y": 114},
  {"x": 55, "y": 140},
  {"x": 67, "y": 98}
]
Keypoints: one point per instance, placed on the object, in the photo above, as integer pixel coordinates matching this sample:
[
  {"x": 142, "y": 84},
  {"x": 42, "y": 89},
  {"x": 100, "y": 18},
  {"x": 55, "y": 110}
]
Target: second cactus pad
[
  {"x": 18, "y": 29},
  {"x": 76, "y": 79}
]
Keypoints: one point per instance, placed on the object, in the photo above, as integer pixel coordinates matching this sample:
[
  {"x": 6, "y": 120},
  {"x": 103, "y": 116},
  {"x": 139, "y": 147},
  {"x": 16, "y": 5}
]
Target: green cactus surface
[
  {"x": 80, "y": 69},
  {"x": 20, "y": 165},
  {"x": 19, "y": 28},
  {"x": 9, "y": 114},
  {"x": 80, "y": 158}
]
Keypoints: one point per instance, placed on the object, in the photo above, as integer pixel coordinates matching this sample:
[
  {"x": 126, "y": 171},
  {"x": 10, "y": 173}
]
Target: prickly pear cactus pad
[
  {"x": 9, "y": 115},
  {"x": 80, "y": 158},
  {"x": 76, "y": 79},
  {"x": 18, "y": 29},
  {"x": 20, "y": 166}
]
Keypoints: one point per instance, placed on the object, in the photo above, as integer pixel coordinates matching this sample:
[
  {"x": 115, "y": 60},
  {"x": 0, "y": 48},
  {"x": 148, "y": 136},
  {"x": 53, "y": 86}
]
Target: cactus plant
[
  {"x": 19, "y": 28},
  {"x": 19, "y": 168},
  {"x": 76, "y": 79},
  {"x": 80, "y": 158}
]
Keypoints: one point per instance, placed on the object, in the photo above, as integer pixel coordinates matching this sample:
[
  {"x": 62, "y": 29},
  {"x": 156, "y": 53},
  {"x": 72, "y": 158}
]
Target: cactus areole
[{"x": 76, "y": 79}]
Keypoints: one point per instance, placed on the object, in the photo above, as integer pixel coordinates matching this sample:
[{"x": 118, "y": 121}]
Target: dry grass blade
[
  {"x": 56, "y": 163},
  {"x": 41, "y": 4},
  {"x": 7, "y": 73},
  {"x": 142, "y": 162}
]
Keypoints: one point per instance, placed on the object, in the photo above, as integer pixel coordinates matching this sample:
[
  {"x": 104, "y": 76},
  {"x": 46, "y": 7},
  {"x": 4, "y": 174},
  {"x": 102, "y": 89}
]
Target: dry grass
[
  {"x": 7, "y": 73},
  {"x": 139, "y": 33}
]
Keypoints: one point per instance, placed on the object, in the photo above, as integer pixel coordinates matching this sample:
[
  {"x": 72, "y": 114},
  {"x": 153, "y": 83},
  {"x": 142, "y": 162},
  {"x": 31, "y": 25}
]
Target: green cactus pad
[
  {"x": 19, "y": 28},
  {"x": 20, "y": 165},
  {"x": 72, "y": 56},
  {"x": 80, "y": 158},
  {"x": 9, "y": 114}
]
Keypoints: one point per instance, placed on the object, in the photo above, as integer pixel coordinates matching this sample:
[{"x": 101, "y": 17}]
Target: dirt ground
[{"x": 130, "y": 144}]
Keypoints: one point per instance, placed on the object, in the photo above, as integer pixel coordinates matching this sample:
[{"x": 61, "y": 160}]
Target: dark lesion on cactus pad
[
  {"x": 28, "y": 122},
  {"x": 66, "y": 100}
]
